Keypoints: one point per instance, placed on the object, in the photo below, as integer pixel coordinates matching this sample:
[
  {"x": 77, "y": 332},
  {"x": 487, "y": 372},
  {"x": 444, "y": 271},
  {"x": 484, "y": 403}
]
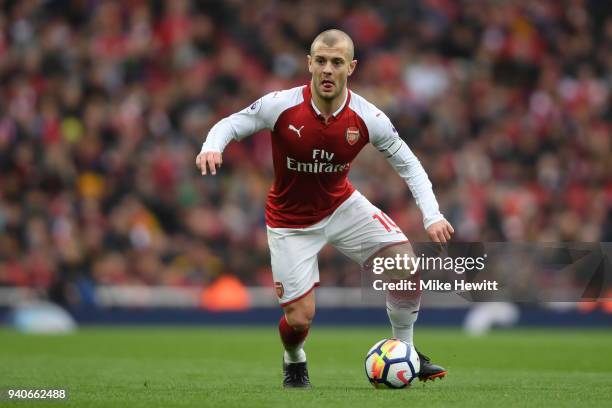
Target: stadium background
[{"x": 104, "y": 106}]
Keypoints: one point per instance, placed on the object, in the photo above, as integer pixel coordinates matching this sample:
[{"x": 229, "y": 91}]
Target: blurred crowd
[{"x": 105, "y": 104}]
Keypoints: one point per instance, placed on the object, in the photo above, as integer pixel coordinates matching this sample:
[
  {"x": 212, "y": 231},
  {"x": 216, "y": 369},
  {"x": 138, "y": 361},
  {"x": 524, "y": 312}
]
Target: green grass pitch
[{"x": 240, "y": 367}]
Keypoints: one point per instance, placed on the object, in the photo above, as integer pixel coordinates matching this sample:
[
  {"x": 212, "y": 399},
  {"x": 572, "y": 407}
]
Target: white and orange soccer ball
[{"x": 392, "y": 363}]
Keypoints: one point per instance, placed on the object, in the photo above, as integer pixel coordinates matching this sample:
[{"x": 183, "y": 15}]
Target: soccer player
[{"x": 317, "y": 131}]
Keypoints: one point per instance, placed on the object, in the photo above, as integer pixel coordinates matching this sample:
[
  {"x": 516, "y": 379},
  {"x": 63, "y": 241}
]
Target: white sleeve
[
  {"x": 386, "y": 139},
  {"x": 261, "y": 114}
]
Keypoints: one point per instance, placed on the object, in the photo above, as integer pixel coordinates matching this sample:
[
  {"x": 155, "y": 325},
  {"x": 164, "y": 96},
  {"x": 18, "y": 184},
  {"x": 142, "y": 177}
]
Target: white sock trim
[{"x": 297, "y": 355}]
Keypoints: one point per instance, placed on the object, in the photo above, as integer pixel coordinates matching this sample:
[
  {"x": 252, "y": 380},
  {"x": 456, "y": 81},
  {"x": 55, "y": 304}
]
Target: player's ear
[
  {"x": 309, "y": 61},
  {"x": 352, "y": 66}
]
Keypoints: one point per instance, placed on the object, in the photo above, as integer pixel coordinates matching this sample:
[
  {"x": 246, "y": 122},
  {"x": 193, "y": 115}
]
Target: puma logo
[{"x": 296, "y": 130}]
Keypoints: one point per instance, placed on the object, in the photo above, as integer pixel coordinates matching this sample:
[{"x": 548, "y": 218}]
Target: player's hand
[
  {"x": 440, "y": 231},
  {"x": 210, "y": 159}
]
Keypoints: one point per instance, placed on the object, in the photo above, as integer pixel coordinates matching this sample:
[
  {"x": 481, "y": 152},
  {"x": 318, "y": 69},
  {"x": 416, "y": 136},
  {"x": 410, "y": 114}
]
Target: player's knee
[
  {"x": 299, "y": 318},
  {"x": 405, "y": 269},
  {"x": 301, "y": 326},
  {"x": 299, "y": 322}
]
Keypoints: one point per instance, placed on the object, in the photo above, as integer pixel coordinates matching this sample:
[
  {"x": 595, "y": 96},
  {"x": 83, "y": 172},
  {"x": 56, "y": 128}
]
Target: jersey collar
[{"x": 336, "y": 113}]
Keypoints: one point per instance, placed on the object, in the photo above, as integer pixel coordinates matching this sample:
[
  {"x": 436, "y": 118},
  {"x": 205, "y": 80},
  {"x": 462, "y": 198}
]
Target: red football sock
[{"x": 290, "y": 337}]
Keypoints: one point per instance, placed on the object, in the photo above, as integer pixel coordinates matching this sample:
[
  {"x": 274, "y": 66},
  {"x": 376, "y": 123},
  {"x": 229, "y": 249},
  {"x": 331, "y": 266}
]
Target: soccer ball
[{"x": 392, "y": 363}]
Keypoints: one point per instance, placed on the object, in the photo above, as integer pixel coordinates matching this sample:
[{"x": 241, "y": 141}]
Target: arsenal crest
[
  {"x": 279, "y": 289},
  {"x": 352, "y": 135}
]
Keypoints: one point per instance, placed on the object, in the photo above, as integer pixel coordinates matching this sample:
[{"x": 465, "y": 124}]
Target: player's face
[{"x": 330, "y": 67}]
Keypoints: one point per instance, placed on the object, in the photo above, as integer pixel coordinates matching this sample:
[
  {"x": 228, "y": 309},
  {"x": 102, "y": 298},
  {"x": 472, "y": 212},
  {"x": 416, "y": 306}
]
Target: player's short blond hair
[{"x": 333, "y": 37}]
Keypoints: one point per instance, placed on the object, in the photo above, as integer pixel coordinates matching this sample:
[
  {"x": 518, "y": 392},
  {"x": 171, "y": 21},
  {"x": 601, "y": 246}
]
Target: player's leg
[
  {"x": 293, "y": 328},
  {"x": 361, "y": 231},
  {"x": 402, "y": 305},
  {"x": 295, "y": 271},
  {"x": 403, "y": 308},
  {"x": 294, "y": 325}
]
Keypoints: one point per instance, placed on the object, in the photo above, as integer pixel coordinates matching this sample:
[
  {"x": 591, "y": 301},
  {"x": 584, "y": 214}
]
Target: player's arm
[
  {"x": 234, "y": 127},
  {"x": 406, "y": 164}
]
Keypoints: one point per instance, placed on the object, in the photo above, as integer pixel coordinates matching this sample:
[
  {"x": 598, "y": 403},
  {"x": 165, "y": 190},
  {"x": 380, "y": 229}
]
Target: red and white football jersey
[{"x": 312, "y": 157}]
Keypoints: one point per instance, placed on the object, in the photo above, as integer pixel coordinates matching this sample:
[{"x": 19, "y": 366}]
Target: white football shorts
[{"x": 357, "y": 228}]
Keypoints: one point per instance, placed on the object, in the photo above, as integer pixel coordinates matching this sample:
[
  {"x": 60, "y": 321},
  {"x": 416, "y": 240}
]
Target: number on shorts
[{"x": 386, "y": 221}]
